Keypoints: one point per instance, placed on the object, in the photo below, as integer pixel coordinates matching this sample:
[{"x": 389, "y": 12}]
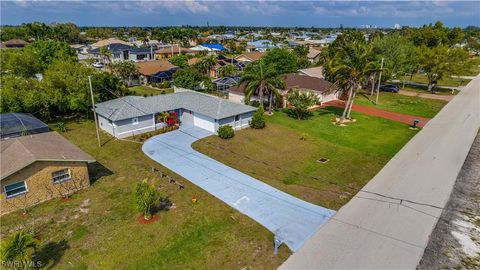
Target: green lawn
[
  {"x": 445, "y": 81},
  {"x": 142, "y": 90},
  {"x": 355, "y": 152},
  {"x": 402, "y": 104},
  {"x": 205, "y": 235}
]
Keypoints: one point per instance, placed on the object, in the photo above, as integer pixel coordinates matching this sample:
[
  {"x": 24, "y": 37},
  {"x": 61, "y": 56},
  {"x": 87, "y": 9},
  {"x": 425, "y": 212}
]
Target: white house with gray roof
[{"x": 131, "y": 115}]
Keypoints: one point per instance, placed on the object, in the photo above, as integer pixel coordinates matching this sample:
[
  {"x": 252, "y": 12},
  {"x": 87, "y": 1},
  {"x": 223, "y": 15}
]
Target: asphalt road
[{"x": 388, "y": 223}]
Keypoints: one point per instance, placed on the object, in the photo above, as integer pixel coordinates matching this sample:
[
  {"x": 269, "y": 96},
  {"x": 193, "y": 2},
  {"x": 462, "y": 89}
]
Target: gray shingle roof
[{"x": 135, "y": 106}]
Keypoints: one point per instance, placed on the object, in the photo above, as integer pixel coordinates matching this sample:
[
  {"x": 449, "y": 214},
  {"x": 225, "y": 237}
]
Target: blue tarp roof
[{"x": 215, "y": 47}]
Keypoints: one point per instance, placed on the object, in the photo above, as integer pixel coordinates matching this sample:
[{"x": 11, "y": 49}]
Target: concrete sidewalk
[{"x": 388, "y": 223}]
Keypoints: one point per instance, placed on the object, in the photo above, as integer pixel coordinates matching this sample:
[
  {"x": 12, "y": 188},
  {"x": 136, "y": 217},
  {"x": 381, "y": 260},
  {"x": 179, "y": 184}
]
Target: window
[
  {"x": 60, "y": 176},
  {"x": 15, "y": 189},
  {"x": 135, "y": 121}
]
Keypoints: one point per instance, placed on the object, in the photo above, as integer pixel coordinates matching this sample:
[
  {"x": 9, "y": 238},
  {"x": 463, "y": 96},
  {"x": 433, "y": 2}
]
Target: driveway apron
[{"x": 292, "y": 220}]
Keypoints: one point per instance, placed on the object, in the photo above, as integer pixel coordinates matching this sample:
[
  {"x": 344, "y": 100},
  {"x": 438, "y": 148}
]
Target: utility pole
[
  {"x": 379, "y": 82},
  {"x": 94, "y": 112}
]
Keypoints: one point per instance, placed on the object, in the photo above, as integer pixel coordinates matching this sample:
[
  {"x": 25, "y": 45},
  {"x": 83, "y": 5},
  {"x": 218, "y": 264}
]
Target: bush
[
  {"x": 163, "y": 85},
  {"x": 225, "y": 132},
  {"x": 255, "y": 103},
  {"x": 258, "y": 120}
]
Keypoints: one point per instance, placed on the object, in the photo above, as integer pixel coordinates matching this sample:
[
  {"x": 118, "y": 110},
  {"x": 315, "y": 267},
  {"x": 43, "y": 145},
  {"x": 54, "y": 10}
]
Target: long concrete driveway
[
  {"x": 292, "y": 220},
  {"x": 388, "y": 223}
]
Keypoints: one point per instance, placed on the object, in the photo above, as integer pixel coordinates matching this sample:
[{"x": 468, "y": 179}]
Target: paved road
[
  {"x": 376, "y": 230},
  {"x": 290, "y": 218},
  {"x": 426, "y": 95},
  {"x": 394, "y": 116}
]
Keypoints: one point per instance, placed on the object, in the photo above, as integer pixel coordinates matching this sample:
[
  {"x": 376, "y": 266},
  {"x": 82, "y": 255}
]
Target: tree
[
  {"x": 48, "y": 51},
  {"x": 20, "y": 63},
  {"x": 281, "y": 61},
  {"x": 125, "y": 69},
  {"x": 17, "y": 250},
  {"x": 105, "y": 54},
  {"x": 179, "y": 60},
  {"x": 205, "y": 64},
  {"x": 260, "y": 79},
  {"x": 258, "y": 120},
  {"x": 300, "y": 102},
  {"x": 441, "y": 61},
  {"x": 349, "y": 68},
  {"x": 145, "y": 197},
  {"x": 189, "y": 78},
  {"x": 228, "y": 70},
  {"x": 302, "y": 52}
]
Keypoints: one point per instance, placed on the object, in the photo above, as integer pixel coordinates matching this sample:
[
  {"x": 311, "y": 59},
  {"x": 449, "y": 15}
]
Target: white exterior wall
[
  {"x": 105, "y": 125},
  {"x": 126, "y": 128}
]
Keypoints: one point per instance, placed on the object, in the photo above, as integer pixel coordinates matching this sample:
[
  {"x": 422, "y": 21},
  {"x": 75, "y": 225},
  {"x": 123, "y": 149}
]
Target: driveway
[{"x": 292, "y": 220}]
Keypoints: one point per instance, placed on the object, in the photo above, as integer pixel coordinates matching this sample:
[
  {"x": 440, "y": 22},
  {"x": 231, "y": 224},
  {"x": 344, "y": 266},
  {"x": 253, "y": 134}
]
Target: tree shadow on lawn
[
  {"x": 51, "y": 253},
  {"x": 97, "y": 171}
]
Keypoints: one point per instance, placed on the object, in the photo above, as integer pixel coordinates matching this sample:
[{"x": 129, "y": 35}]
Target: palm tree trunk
[
  {"x": 373, "y": 84},
  {"x": 270, "y": 102},
  {"x": 346, "y": 105},
  {"x": 351, "y": 104}
]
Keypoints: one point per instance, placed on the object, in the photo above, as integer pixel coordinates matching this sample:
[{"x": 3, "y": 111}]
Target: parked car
[
  {"x": 97, "y": 65},
  {"x": 393, "y": 88}
]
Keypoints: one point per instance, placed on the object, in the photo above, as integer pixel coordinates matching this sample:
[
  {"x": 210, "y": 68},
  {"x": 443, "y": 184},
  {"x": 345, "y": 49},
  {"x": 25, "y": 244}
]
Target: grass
[
  {"x": 142, "y": 90},
  {"x": 356, "y": 152},
  {"x": 438, "y": 91},
  {"x": 402, "y": 104},
  {"x": 205, "y": 235},
  {"x": 445, "y": 81}
]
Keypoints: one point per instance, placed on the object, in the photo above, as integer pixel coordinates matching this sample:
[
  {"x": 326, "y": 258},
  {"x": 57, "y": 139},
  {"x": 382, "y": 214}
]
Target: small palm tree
[
  {"x": 105, "y": 54},
  {"x": 260, "y": 80},
  {"x": 350, "y": 66},
  {"x": 18, "y": 248}
]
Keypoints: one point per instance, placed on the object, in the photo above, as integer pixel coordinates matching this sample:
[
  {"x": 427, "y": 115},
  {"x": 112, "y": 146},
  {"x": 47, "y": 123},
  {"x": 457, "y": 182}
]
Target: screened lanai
[{"x": 19, "y": 124}]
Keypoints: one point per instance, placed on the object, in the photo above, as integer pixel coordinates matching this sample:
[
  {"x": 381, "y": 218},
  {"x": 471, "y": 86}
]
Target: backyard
[
  {"x": 97, "y": 228},
  {"x": 402, "y": 104},
  {"x": 142, "y": 90},
  {"x": 285, "y": 154}
]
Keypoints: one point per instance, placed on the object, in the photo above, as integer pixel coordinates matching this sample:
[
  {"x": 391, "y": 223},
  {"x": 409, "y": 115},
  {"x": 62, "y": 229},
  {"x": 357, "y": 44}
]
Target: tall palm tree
[
  {"x": 260, "y": 80},
  {"x": 350, "y": 66},
  {"x": 17, "y": 248},
  {"x": 207, "y": 63}
]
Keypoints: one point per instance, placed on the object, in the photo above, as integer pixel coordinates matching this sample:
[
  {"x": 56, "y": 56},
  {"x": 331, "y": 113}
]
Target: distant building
[
  {"x": 13, "y": 44},
  {"x": 155, "y": 71},
  {"x": 122, "y": 52}
]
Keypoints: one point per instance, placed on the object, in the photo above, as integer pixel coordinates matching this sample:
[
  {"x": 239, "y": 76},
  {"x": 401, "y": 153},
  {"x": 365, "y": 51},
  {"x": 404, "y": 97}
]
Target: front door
[{"x": 238, "y": 122}]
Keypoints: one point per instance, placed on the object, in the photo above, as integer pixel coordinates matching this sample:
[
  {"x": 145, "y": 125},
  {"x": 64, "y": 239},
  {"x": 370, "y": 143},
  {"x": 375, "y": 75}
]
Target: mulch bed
[{"x": 153, "y": 219}]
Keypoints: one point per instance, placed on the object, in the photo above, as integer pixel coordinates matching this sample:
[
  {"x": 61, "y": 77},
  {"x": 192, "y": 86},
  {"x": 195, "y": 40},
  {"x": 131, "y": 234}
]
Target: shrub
[
  {"x": 145, "y": 196},
  {"x": 255, "y": 103},
  {"x": 258, "y": 120},
  {"x": 225, "y": 132},
  {"x": 163, "y": 85}
]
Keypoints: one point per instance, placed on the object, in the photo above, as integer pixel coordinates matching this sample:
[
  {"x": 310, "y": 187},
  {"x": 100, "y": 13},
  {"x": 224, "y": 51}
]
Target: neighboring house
[
  {"x": 209, "y": 48},
  {"x": 312, "y": 72},
  {"x": 250, "y": 56},
  {"x": 40, "y": 167},
  {"x": 223, "y": 61},
  {"x": 105, "y": 42},
  {"x": 325, "y": 90},
  {"x": 168, "y": 52},
  {"x": 20, "y": 124},
  {"x": 261, "y": 45},
  {"x": 13, "y": 44},
  {"x": 155, "y": 71},
  {"x": 80, "y": 48},
  {"x": 313, "y": 55},
  {"x": 133, "y": 115},
  {"x": 121, "y": 52},
  {"x": 226, "y": 82}
]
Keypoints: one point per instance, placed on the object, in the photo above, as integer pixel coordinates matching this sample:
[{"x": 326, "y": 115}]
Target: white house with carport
[{"x": 132, "y": 115}]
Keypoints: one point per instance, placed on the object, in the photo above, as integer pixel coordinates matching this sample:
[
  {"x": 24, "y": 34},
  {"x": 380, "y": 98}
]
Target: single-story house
[
  {"x": 155, "y": 71},
  {"x": 105, "y": 42},
  {"x": 132, "y": 115},
  {"x": 20, "y": 124},
  {"x": 262, "y": 45},
  {"x": 39, "y": 167},
  {"x": 122, "y": 52},
  {"x": 13, "y": 44},
  {"x": 313, "y": 55},
  {"x": 250, "y": 56},
  {"x": 312, "y": 72},
  {"x": 325, "y": 90},
  {"x": 171, "y": 51},
  {"x": 226, "y": 82}
]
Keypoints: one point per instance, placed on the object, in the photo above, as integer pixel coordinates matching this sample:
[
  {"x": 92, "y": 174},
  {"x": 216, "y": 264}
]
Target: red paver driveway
[{"x": 399, "y": 117}]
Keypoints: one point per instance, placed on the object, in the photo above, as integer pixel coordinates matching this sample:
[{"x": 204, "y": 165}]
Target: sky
[{"x": 242, "y": 13}]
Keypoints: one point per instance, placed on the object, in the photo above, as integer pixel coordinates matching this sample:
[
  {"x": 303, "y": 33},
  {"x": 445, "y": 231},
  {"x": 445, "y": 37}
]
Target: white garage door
[{"x": 204, "y": 122}]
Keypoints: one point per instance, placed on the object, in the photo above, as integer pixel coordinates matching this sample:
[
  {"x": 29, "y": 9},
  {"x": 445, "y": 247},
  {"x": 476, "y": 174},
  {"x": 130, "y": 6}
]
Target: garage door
[{"x": 204, "y": 122}]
